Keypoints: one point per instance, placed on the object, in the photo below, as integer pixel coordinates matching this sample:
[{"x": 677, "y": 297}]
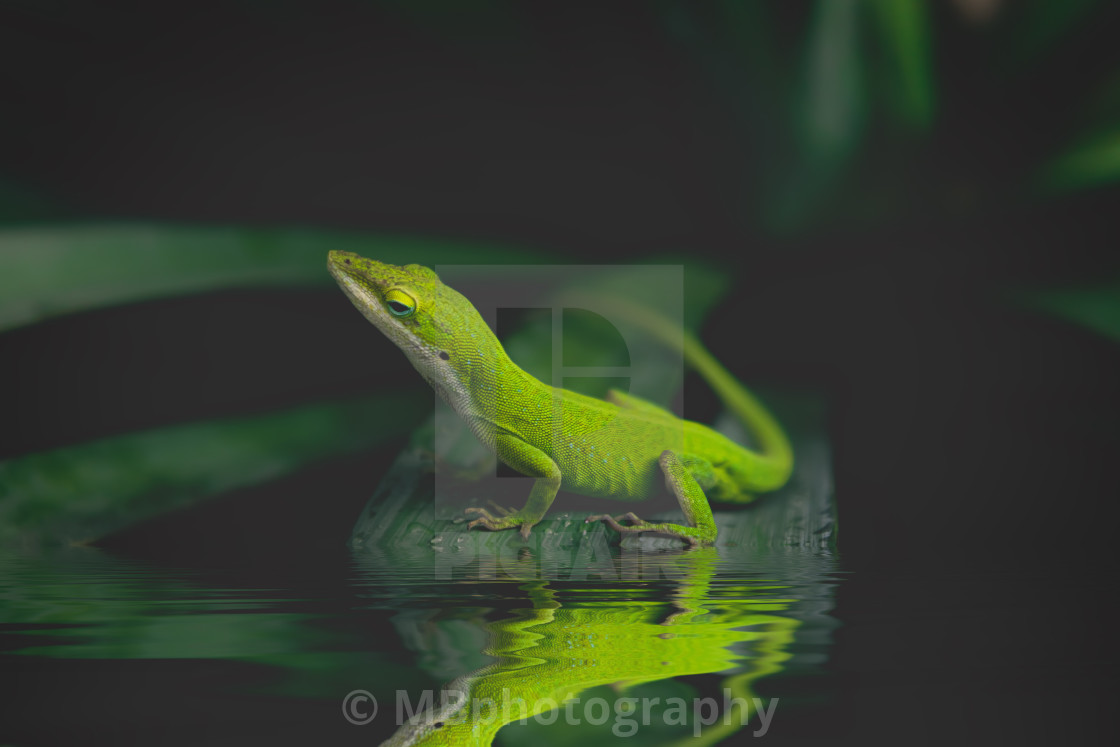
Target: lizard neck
[{"x": 479, "y": 379}]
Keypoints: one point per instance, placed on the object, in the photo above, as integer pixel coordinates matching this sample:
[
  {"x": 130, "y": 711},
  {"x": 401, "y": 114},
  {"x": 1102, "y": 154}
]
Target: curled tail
[
  {"x": 775, "y": 453},
  {"x": 774, "y": 446}
]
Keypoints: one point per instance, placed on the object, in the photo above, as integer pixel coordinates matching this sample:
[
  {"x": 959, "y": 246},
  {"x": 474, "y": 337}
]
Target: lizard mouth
[
  {"x": 358, "y": 287},
  {"x": 342, "y": 264}
]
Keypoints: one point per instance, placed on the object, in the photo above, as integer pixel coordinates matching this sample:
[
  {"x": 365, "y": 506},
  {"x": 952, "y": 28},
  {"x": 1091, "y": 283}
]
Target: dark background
[{"x": 975, "y": 441}]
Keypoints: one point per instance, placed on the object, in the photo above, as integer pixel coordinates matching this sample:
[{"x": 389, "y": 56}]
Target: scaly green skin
[{"x": 613, "y": 448}]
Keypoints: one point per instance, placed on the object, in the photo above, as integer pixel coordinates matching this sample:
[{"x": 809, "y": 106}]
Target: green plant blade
[
  {"x": 46, "y": 272},
  {"x": 905, "y": 31},
  {"x": 1097, "y": 307},
  {"x": 84, "y": 492},
  {"x": 1091, "y": 163}
]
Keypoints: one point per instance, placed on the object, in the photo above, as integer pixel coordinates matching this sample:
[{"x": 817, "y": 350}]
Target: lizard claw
[
  {"x": 481, "y": 512},
  {"x": 508, "y": 520},
  {"x": 485, "y": 518},
  {"x": 636, "y": 524}
]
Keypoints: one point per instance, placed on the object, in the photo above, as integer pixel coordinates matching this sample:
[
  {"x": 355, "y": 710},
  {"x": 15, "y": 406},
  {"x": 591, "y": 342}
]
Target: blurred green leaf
[
  {"x": 830, "y": 114},
  {"x": 1092, "y": 162},
  {"x": 1093, "y": 157},
  {"x": 833, "y": 107},
  {"x": 905, "y": 31},
  {"x": 1043, "y": 23},
  {"x": 45, "y": 272},
  {"x": 1097, "y": 308},
  {"x": 83, "y": 492}
]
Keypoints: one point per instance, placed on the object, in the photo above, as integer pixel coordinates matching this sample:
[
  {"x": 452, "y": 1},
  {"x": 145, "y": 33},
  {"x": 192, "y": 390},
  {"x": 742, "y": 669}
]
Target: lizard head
[{"x": 426, "y": 319}]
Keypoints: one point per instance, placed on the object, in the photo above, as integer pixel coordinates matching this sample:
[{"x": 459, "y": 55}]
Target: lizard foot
[
  {"x": 494, "y": 523},
  {"x": 638, "y": 525}
]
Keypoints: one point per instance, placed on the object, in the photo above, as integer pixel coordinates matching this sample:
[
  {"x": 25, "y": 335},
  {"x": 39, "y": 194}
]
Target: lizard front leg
[{"x": 528, "y": 460}]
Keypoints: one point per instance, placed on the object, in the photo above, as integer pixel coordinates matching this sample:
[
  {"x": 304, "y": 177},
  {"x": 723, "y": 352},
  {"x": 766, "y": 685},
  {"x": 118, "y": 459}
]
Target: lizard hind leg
[{"x": 679, "y": 478}]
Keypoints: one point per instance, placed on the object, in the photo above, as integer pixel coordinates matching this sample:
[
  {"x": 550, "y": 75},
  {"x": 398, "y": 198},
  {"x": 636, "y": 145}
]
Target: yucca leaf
[
  {"x": 84, "y": 492},
  {"x": 57, "y": 270}
]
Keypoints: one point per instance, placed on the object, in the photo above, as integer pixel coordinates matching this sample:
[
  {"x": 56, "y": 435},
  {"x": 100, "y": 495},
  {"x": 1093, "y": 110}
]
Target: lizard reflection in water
[{"x": 551, "y": 652}]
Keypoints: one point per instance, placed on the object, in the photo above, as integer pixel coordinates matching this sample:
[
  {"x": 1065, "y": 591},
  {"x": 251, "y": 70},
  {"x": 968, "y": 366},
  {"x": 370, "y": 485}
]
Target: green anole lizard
[{"x": 613, "y": 448}]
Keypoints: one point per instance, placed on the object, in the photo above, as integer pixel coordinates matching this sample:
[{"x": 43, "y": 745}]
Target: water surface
[{"x": 102, "y": 644}]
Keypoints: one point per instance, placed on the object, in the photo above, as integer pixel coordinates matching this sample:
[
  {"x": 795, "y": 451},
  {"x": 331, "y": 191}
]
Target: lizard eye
[{"x": 400, "y": 303}]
